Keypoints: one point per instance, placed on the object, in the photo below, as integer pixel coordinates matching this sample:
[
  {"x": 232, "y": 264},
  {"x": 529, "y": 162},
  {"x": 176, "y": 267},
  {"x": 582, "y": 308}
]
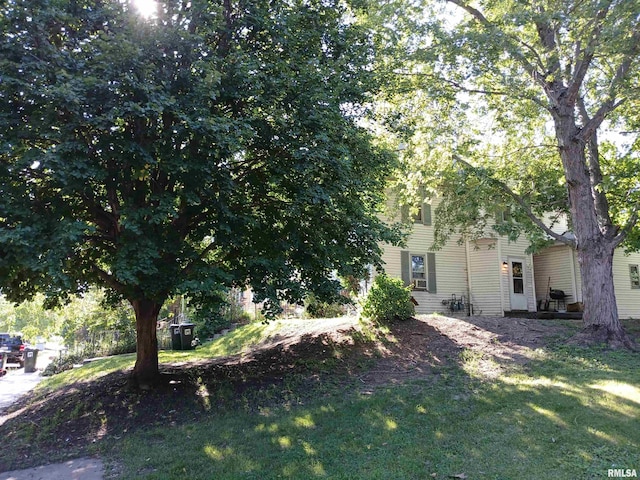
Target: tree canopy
[
  {"x": 527, "y": 105},
  {"x": 215, "y": 144}
]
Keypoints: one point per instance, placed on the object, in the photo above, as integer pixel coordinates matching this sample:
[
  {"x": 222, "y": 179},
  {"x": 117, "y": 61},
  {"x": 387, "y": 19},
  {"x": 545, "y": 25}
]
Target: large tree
[
  {"x": 530, "y": 105},
  {"x": 214, "y": 144}
]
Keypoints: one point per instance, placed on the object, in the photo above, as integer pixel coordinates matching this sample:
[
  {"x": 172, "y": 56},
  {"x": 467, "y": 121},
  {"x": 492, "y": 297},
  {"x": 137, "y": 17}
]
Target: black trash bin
[
  {"x": 186, "y": 335},
  {"x": 176, "y": 341},
  {"x": 30, "y": 357}
]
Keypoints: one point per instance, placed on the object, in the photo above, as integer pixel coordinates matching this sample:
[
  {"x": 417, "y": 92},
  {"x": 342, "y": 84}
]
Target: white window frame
[{"x": 419, "y": 281}]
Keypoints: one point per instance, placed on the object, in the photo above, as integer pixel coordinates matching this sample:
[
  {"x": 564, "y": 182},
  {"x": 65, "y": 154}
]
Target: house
[
  {"x": 494, "y": 276},
  {"x": 558, "y": 267}
]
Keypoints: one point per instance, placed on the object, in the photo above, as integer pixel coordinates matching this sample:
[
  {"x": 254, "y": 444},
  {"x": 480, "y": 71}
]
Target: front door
[{"x": 517, "y": 285}]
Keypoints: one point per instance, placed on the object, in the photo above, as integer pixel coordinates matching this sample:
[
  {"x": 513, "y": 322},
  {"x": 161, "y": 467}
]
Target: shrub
[
  {"x": 315, "y": 308},
  {"x": 388, "y": 301},
  {"x": 61, "y": 364}
]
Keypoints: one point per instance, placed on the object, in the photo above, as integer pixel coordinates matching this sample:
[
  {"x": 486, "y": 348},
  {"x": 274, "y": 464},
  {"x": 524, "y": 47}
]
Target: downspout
[
  {"x": 533, "y": 283},
  {"x": 469, "y": 286},
  {"x": 573, "y": 275},
  {"x": 500, "y": 275}
]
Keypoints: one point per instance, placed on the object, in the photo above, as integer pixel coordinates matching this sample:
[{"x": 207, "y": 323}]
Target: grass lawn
[{"x": 564, "y": 413}]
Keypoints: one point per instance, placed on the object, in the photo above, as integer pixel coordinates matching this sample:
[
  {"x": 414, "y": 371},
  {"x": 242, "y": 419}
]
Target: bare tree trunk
[
  {"x": 601, "y": 321},
  {"x": 146, "y": 372},
  {"x": 595, "y": 246}
]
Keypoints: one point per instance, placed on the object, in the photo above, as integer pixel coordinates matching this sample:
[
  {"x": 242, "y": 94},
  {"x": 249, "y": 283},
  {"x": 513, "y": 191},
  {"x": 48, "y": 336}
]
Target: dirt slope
[{"x": 304, "y": 356}]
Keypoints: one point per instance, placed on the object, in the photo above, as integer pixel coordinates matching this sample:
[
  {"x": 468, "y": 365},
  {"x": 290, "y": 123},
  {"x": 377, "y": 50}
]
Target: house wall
[
  {"x": 483, "y": 282},
  {"x": 451, "y": 271},
  {"x": 628, "y": 298},
  {"x": 556, "y": 267},
  {"x": 517, "y": 249},
  {"x": 560, "y": 263},
  {"x": 484, "y": 264}
]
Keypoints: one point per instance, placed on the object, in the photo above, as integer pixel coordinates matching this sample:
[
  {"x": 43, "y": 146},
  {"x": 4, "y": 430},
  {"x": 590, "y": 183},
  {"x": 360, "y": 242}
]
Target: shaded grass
[
  {"x": 567, "y": 413},
  {"x": 570, "y": 413},
  {"x": 235, "y": 342}
]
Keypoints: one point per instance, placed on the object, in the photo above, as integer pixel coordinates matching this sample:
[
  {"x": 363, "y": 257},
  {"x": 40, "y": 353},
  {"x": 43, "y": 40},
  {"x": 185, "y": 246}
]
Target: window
[
  {"x": 503, "y": 215},
  {"x": 419, "y": 270},
  {"x": 417, "y": 218},
  {"x": 518, "y": 277},
  {"x": 634, "y": 274},
  {"x": 423, "y": 215}
]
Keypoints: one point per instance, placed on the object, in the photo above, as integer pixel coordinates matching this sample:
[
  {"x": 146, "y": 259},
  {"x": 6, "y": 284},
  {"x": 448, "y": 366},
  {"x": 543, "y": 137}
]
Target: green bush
[
  {"x": 315, "y": 308},
  {"x": 62, "y": 363},
  {"x": 388, "y": 301}
]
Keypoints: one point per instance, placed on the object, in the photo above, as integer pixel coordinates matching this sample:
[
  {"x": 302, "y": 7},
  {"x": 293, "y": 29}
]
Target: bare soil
[{"x": 296, "y": 364}]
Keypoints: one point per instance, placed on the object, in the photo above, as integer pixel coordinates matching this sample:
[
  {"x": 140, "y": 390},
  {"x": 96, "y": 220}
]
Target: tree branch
[
  {"x": 582, "y": 65},
  {"x": 525, "y": 208},
  {"x": 631, "y": 223},
  {"x": 108, "y": 279},
  {"x": 535, "y": 74}
]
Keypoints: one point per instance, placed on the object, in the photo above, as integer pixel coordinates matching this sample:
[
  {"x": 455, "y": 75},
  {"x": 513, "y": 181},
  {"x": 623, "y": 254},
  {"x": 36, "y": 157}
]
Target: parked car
[{"x": 13, "y": 347}]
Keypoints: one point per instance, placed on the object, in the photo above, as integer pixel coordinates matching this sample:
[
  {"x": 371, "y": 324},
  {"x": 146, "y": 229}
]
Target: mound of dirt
[{"x": 304, "y": 358}]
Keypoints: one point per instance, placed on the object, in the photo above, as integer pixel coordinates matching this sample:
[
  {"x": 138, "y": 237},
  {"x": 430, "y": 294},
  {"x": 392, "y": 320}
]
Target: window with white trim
[{"x": 419, "y": 270}]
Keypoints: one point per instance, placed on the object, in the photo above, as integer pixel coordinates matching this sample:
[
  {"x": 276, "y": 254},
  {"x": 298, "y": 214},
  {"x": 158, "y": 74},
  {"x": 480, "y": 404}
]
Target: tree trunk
[
  {"x": 600, "y": 317},
  {"x": 595, "y": 247},
  {"x": 146, "y": 372}
]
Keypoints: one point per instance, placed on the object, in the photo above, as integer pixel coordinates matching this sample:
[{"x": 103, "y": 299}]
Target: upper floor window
[{"x": 634, "y": 275}]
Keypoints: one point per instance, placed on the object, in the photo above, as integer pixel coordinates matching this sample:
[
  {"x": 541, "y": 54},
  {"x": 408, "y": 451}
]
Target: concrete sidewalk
[{"x": 80, "y": 469}]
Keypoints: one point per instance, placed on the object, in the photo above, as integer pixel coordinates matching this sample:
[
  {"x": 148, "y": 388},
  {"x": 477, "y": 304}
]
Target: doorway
[{"x": 517, "y": 284}]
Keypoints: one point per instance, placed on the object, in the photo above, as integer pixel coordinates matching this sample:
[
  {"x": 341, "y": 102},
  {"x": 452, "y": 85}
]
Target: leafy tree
[
  {"x": 29, "y": 318},
  {"x": 532, "y": 106},
  {"x": 216, "y": 144}
]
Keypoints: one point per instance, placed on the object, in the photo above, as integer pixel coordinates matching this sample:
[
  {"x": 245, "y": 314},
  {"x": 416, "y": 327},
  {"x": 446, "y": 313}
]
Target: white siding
[
  {"x": 559, "y": 224},
  {"x": 485, "y": 278},
  {"x": 512, "y": 250},
  {"x": 628, "y": 298},
  {"x": 556, "y": 263},
  {"x": 451, "y": 272},
  {"x": 555, "y": 268}
]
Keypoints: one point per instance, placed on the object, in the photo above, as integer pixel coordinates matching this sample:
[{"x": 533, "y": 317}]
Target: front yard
[{"x": 434, "y": 397}]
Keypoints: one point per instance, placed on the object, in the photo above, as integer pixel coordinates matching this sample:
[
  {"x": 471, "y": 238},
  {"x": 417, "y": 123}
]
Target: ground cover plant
[{"x": 436, "y": 397}]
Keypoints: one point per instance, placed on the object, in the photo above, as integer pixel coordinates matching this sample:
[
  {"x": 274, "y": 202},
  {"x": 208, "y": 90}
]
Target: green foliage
[
  {"x": 213, "y": 145},
  {"x": 477, "y": 98},
  {"x": 31, "y": 319},
  {"x": 62, "y": 364},
  {"x": 210, "y": 320},
  {"x": 315, "y": 308},
  {"x": 388, "y": 301},
  {"x": 81, "y": 322}
]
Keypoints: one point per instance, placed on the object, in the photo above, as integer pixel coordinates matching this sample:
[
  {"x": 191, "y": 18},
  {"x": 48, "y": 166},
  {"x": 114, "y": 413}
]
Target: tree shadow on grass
[
  {"x": 405, "y": 408},
  {"x": 570, "y": 417}
]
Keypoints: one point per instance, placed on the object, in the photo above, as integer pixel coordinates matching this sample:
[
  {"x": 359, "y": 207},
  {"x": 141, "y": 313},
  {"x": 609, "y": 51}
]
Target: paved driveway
[
  {"x": 14, "y": 385},
  {"x": 17, "y": 383}
]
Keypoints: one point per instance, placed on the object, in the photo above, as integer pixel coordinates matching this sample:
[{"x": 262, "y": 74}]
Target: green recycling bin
[
  {"x": 30, "y": 357},
  {"x": 186, "y": 335}
]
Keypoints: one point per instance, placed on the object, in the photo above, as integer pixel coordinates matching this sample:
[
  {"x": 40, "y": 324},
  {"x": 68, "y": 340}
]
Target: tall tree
[
  {"x": 525, "y": 104},
  {"x": 216, "y": 143}
]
